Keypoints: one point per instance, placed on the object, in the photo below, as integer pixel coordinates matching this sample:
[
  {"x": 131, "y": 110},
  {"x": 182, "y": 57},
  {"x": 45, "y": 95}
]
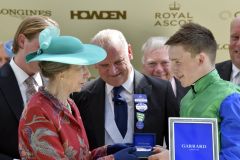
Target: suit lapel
[
  {"x": 141, "y": 86},
  {"x": 10, "y": 89},
  {"x": 99, "y": 110},
  {"x": 226, "y": 71}
]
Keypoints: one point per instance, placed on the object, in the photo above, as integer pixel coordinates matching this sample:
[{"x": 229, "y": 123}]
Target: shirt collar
[
  {"x": 21, "y": 76},
  {"x": 205, "y": 81},
  {"x": 128, "y": 85},
  {"x": 173, "y": 84},
  {"x": 235, "y": 70}
]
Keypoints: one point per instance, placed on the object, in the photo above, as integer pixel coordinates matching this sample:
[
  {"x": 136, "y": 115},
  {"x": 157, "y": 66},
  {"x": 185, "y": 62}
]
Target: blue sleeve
[{"x": 230, "y": 128}]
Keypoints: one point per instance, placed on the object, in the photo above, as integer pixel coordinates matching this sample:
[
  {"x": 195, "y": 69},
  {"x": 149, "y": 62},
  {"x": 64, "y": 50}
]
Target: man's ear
[
  {"x": 130, "y": 52},
  {"x": 202, "y": 58},
  {"x": 61, "y": 75},
  {"x": 21, "y": 40}
]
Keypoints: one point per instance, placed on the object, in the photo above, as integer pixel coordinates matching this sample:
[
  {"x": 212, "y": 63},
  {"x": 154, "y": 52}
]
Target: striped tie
[{"x": 30, "y": 87}]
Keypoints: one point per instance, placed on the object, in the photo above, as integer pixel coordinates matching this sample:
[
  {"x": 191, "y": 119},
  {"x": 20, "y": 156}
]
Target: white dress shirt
[
  {"x": 174, "y": 87},
  {"x": 112, "y": 134},
  {"x": 21, "y": 76},
  {"x": 235, "y": 76}
]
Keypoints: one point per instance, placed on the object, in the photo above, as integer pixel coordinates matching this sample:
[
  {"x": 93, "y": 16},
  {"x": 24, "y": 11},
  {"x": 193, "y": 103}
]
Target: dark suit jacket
[
  {"x": 11, "y": 107},
  {"x": 224, "y": 69},
  {"x": 161, "y": 105},
  {"x": 181, "y": 91}
]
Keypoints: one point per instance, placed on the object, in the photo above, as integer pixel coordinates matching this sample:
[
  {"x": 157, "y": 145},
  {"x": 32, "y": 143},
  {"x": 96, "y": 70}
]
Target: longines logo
[
  {"x": 21, "y": 13},
  {"x": 102, "y": 15},
  {"x": 173, "y": 17}
]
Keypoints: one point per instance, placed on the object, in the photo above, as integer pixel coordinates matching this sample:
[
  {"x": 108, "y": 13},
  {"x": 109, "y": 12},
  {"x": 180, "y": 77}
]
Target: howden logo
[{"x": 100, "y": 15}]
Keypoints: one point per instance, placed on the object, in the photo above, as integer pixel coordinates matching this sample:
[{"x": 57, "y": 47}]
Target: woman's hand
[{"x": 160, "y": 154}]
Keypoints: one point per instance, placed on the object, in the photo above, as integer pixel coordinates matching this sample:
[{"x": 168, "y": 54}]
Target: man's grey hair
[
  {"x": 152, "y": 44},
  {"x": 108, "y": 38}
]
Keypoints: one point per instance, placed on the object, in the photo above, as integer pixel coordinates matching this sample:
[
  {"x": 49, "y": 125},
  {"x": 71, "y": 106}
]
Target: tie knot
[
  {"x": 117, "y": 90},
  {"x": 30, "y": 81}
]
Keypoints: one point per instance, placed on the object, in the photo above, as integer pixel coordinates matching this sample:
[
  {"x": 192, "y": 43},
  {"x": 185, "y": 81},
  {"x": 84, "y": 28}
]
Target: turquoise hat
[{"x": 65, "y": 49}]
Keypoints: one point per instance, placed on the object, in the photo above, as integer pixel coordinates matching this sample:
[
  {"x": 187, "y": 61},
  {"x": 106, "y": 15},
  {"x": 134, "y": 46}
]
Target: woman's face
[{"x": 75, "y": 77}]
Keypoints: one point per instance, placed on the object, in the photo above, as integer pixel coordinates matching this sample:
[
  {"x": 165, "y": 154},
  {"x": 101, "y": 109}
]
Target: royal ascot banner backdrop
[{"x": 138, "y": 20}]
